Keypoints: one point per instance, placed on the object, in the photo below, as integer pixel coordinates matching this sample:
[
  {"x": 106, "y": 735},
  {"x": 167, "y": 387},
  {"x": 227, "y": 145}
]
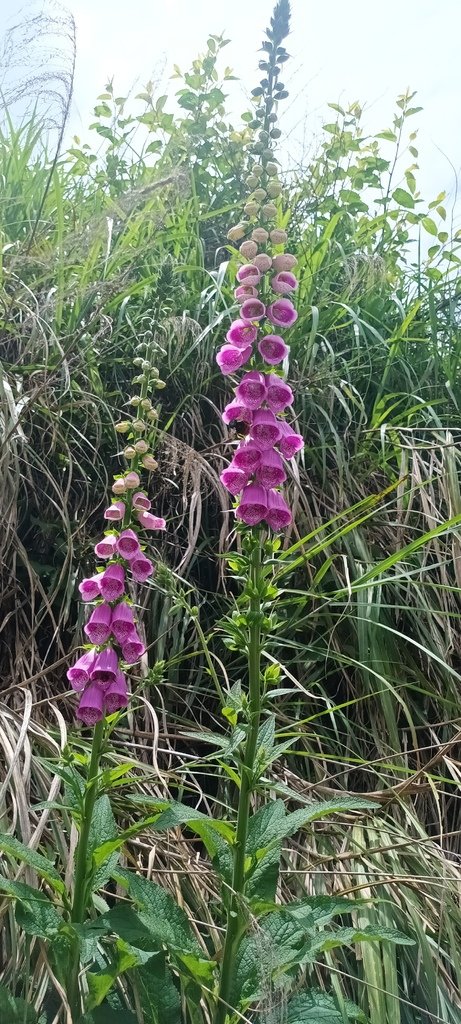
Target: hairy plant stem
[
  {"x": 79, "y": 902},
  {"x": 235, "y": 913}
]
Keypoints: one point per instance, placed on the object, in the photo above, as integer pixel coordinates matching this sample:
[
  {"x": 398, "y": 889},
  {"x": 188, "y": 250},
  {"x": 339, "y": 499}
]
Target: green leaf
[
  {"x": 261, "y": 826},
  {"x": 347, "y": 936},
  {"x": 35, "y": 913},
  {"x": 281, "y": 826},
  {"x": 316, "y": 1007},
  {"x": 262, "y": 880},
  {"x": 44, "y": 867},
  {"x": 103, "y": 842},
  {"x": 317, "y": 911},
  {"x": 403, "y": 198},
  {"x": 126, "y": 923},
  {"x": 14, "y": 1010},
  {"x": 101, "y": 982},
  {"x": 108, "y": 1014},
  {"x": 429, "y": 225},
  {"x": 159, "y": 912},
  {"x": 158, "y": 994}
]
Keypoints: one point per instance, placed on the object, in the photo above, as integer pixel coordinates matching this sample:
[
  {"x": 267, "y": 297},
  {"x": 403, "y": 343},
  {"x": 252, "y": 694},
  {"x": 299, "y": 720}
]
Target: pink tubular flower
[
  {"x": 234, "y": 479},
  {"x": 141, "y": 502},
  {"x": 253, "y": 505},
  {"x": 91, "y": 706},
  {"x": 141, "y": 567},
  {"x": 122, "y": 622},
  {"x": 282, "y": 313},
  {"x": 248, "y": 274},
  {"x": 127, "y": 544},
  {"x": 270, "y": 472},
  {"x": 279, "y": 393},
  {"x": 112, "y": 582},
  {"x": 237, "y": 411},
  {"x": 230, "y": 358},
  {"x": 245, "y": 291},
  {"x": 116, "y": 511},
  {"x": 253, "y": 309},
  {"x": 79, "y": 674},
  {"x": 90, "y": 587},
  {"x": 290, "y": 442},
  {"x": 252, "y": 389},
  {"x": 116, "y": 696},
  {"x": 133, "y": 648},
  {"x": 131, "y": 481},
  {"x": 284, "y": 282},
  {"x": 265, "y": 430},
  {"x": 247, "y": 456},
  {"x": 105, "y": 667},
  {"x": 273, "y": 349},
  {"x": 278, "y": 515},
  {"x": 106, "y": 547},
  {"x": 241, "y": 334},
  {"x": 150, "y": 522},
  {"x": 98, "y": 627}
]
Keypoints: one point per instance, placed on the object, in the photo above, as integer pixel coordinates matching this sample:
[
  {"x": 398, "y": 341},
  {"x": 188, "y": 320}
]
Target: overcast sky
[{"x": 341, "y": 51}]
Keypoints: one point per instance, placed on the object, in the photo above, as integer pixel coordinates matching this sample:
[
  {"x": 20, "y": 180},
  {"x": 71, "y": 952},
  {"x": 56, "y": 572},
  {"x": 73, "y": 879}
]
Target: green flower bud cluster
[{"x": 262, "y": 180}]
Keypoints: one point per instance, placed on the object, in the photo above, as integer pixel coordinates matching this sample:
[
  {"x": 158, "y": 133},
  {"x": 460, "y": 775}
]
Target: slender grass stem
[{"x": 235, "y": 913}]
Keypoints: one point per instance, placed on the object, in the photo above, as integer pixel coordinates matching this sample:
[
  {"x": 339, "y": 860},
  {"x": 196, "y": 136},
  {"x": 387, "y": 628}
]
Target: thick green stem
[
  {"x": 80, "y": 898},
  {"x": 235, "y": 913}
]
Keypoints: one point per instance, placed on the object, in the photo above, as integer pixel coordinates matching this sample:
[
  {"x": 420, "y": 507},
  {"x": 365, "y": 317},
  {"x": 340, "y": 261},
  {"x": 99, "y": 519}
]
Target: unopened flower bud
[
  {"x": 145, "y": 365},
  {"x": 271, "y": 169},
  {"x": 129, "y": 452},
  {"x": 160, "y": 384},
  {"x": 262, "y": 262},
  {"x": 146, "y": 403},
  {"x": 136, "y": 400},
  {"x": 275, "y": 133},
  {"x": 138, "y": 361},
  {"x": 257, "y": 170},
  {"x": 269, "y": 211},
  {"x": 260, "y": 194},
  {"x": 131, "y": 481},
  {"x": 123, "y": 427},
  {"x": 154, "y": 371},
  {"x": 264, "y": 136},
  {"x": 260, "y": 235},
  {"x": 118, "y": 487},
  {"x": 152, "y": 414},
  {"x": 283, "y": 261},
  {"x": 274, "y": 189},
  {"x": 138, "y": 380},
  {"x": 252, "y": 181},
  {"x": 251, "y": 209},
  {"x": 141, "y": 447},
  {"x": 149, "y": 462},
  {"x": 248, "y": 250},
  {"x": 139, "y": 425},
  {"x": 278, "y": 236},
  {"x": 236, "y": 233}
]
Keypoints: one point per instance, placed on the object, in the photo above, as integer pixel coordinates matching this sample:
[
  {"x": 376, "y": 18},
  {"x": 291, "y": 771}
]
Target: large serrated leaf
[
  {"x": 159, "y": 912},
  {"x": 14, "y": 1010},
  {"x": 101, "y": 982},
  {"x": 315, "y": 1007},
  {"x": 103, "y": 842},
  {"x": 261, "y": 826},
  {"x": 44, "y": 867},
  {"x": 35, "y": 913},
  {"x": 317, "y": 911},
  {"x": 158, "y": 994},
  {"x": 316, "y": 811}
]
